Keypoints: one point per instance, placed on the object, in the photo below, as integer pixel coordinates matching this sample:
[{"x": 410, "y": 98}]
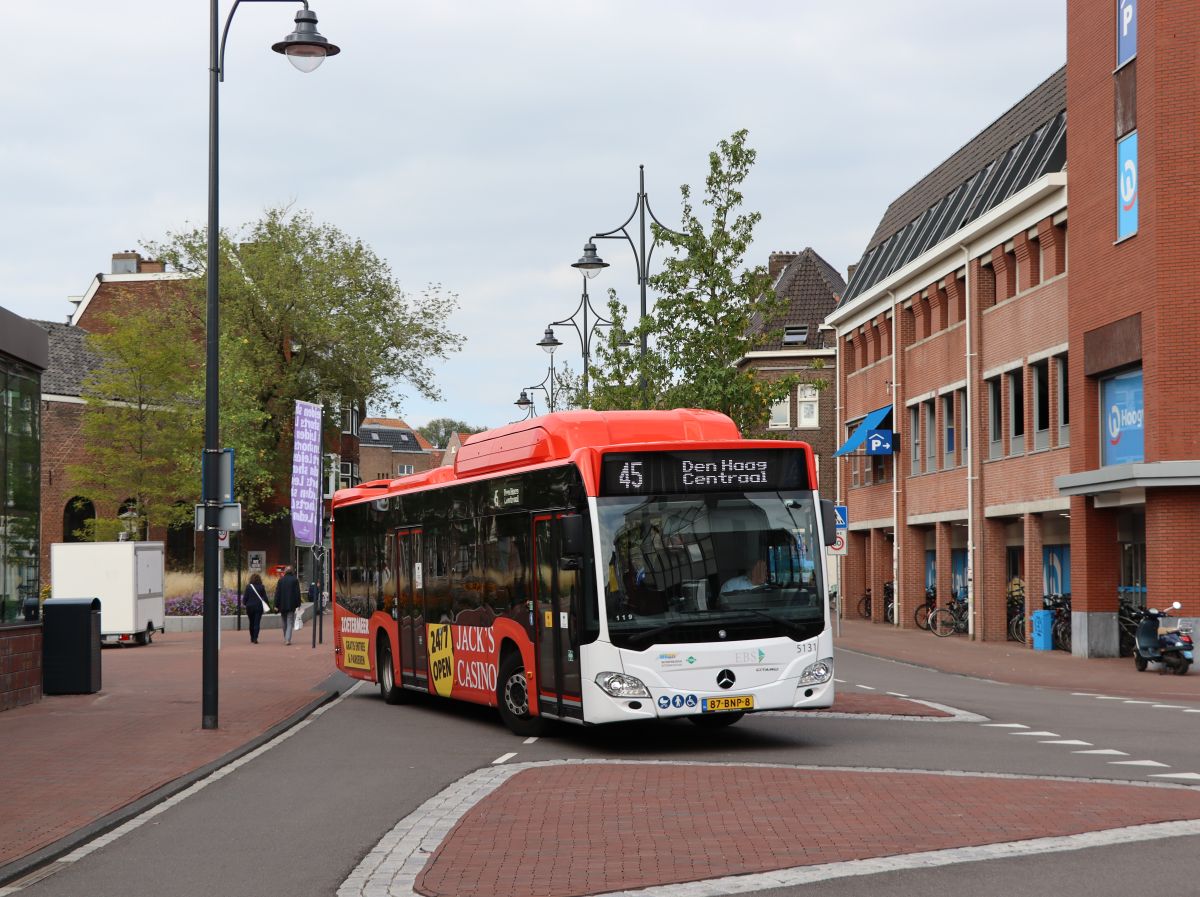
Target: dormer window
[{"x": 795, "y": 336}]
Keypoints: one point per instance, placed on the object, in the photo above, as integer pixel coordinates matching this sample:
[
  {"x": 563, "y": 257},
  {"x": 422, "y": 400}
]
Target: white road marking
[
  {"x": 896, "y": 694},
  {"x": 1085, "y": 694},
  {"x": 842, "y": 681},
  {"x": 1005, "y": 725},
  {"x": 867, "y": 687},
  {"x": 1068, "y": 741},
  {"x": 1040, "y": 734},
  {"x": 1168, "y": 706},
  {"x": 530, "y": 740},
  {"x": 1139, "y": 702},
  {"x": 1107, "y": 751},
  {"x": 503, "y": 758},
  {"x": 1191, "y": 776},
  {"x": 1138, "y": 763},
  {"x": 1108, "y": 698},
  {"x": 390, "y": 869},
  {"x": 1191, "y": 711}
]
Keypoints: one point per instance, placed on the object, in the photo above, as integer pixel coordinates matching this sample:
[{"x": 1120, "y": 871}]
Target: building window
[
  {"x": 948, "y": 431},
  {"x": 1016, "y": 411},
  {"x": 807, "y": 407},
  {"x": 781, "y": 415},
  {"x": 403, "y": 470},
  {"x": 995, "y": 419},
  {"x": 966, "y": 427},
  {"x": 1064, "y": 400},
  {"x": 350, "y": 421},
  {"x": 879, "y": 468},
  {"x": 914, "y": 438},
  {"x": 1040, "y": 371},
  {"x": 795, "y": 336},
  {"x": 930, "y": 436}
]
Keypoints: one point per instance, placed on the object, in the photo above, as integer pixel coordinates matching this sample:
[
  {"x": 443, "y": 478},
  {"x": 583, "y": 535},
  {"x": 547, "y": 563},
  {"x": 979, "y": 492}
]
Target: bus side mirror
[
  {"x": 828, "y": 521},
  {"x": 573, "y": 535}
]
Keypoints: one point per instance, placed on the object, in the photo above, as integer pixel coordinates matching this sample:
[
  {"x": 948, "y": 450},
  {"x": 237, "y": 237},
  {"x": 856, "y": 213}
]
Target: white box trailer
[{"x": 127, "y": 577}]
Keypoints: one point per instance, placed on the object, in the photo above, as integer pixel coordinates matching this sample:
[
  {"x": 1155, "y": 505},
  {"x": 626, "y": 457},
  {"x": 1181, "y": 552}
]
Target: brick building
[
  {"x": 1032, "y": 408},
  {"x": 390, "y": 448},
  {"x": 797, "y": 347}
]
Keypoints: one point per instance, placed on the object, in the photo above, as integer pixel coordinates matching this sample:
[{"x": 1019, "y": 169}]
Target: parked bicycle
[
  {"x": 952, "y": 618},
  {"x": 1016, "y": 611},
  {"x": 922, "y": 611},
  {"x": 1128, "y": 617},
  {"x": 889, "y": 602},
  {"x": 864, "y": 605},
  {"x": 1061, "y": 625}
]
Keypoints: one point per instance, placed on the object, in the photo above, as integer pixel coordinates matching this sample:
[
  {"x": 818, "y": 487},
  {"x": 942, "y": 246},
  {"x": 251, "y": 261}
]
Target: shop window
[
  {"x": 808, "y": 407},
  {"x": 1016, "y": 411},
  {"x": 914, "y": 429},
  {"x": 781, "y": 415},
  {"x": 948, "y": 431},
  {"x": 930, "y": 408},
  {"x": 995, "y": 419},
  {"x": 1064, "y": 400},
  {"x": 1041, "y": 404}
]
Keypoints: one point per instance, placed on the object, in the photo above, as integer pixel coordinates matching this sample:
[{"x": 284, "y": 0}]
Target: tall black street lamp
[
  {"x": 584, "y": 330},
  {"x": 306, "y": 49},
  {"x": 549, "y": 344},
  {"x": 591, "y": 264}
]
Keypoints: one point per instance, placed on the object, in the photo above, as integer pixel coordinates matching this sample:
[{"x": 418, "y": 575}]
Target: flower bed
[{"x": 193, "y": 605}]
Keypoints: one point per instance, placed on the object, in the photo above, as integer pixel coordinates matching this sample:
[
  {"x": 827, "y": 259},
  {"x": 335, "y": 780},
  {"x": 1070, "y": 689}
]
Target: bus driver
[{"x": 745, "y": 582}]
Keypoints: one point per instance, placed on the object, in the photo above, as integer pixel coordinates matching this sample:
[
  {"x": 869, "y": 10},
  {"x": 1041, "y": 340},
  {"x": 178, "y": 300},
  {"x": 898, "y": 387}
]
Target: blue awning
[{"x": 859, "y": 436}]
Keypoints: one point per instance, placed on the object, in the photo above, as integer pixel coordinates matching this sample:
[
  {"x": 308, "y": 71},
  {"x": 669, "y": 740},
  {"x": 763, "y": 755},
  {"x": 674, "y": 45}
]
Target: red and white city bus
[{"x": 593, "y": 567}]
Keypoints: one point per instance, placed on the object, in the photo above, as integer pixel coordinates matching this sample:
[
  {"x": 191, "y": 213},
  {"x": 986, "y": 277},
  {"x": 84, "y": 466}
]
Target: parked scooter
[{"x": 1173, "y": 648}]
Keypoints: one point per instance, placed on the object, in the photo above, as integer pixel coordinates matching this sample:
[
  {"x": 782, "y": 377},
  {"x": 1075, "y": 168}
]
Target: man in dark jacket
[{"x": 287, "y": 602}]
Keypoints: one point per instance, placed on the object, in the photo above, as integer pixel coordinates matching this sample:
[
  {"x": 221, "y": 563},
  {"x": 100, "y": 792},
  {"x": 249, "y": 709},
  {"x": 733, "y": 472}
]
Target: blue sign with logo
[
  {"x": 1123, "y": 409},
  {"x": 1127, "y": 186},
  {"x": 843, "y": 516},
  {"x": 1056, "y": 569},
  {"x": 1126, "y": 31},
  {"x": 879, "y": 442}
]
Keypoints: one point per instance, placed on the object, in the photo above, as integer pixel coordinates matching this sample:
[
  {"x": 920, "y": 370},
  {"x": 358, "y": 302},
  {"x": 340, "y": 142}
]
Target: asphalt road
[{"x": 298, "y": 816}]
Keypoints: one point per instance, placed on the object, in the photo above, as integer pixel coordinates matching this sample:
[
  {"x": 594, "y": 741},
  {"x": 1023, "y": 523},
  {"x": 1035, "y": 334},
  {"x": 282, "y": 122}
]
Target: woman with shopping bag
[{"x": 254, "y": 599}]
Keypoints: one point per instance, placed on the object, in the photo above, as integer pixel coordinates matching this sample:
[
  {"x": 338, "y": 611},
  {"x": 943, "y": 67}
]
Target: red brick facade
[{"x": 20, "y": 665}]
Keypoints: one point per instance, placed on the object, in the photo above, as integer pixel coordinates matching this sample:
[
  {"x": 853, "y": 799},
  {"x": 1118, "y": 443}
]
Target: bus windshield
[{"x": 711, "y": 567}]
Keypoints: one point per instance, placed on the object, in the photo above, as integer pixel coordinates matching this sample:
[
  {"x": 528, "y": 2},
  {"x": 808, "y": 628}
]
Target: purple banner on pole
[{"x": 306, "y": 474}]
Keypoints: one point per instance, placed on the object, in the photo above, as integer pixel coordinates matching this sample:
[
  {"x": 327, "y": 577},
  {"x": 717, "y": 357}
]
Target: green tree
[
  {"x": 440, "y": 429},
  {"x": 140, "y": 412},
  {"x": 711, "y": 312},
  {"x": 307, "y": 313}
]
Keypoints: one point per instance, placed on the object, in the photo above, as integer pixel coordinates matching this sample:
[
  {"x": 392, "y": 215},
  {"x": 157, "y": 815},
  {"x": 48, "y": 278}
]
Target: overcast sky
[{"x": 478, "y": 144}]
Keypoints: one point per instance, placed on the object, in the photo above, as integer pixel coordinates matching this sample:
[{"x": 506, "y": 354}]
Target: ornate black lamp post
[{"x": 306, "y": 49}]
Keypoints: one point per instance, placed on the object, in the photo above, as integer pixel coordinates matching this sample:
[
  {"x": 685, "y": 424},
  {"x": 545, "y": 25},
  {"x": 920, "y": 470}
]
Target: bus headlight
[
  {"x": 817, "y": 673},
  {"x": 621, "y": 686}
]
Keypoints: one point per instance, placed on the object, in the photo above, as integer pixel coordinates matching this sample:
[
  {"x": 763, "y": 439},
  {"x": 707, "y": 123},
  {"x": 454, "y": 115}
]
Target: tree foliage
[
  {"x": 306, "y": 313},
  {"x": 702, "y": 322},
  {"x": 141, "y": 411},
  {"x": 439, "y": 430}
]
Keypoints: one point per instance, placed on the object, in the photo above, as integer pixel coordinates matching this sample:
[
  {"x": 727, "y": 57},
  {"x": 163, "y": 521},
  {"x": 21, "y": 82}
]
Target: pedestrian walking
[
  {"x": 287, "y": 601},
  {"x": 255, "y": 602}
]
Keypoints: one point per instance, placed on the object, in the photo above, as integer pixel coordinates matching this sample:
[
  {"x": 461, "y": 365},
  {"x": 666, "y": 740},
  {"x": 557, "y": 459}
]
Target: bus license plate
[{"x": 728, "y": 702}]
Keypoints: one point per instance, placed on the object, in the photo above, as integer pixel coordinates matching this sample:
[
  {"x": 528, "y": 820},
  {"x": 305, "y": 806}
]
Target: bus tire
[
  {"x": 386, "y": 675},
  {"x": 512, "y": 698},
  {"x": 717, "y": 720}
]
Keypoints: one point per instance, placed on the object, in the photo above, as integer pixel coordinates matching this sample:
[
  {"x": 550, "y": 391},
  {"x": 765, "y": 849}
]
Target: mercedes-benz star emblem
[{"x": 725, "y": 678}]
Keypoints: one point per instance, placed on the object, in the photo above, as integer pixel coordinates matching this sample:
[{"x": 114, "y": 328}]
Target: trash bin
[
  {"x": 71, "y": 646},
  {"x": 1043, "y": 630}
]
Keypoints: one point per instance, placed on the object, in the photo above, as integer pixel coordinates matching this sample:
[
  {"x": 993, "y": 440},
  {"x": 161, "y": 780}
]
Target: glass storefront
[{"x": 20, "y": 481}]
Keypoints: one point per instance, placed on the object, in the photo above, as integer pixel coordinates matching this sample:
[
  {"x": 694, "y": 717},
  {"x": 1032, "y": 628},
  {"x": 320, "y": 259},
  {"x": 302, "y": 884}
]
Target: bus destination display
[{"x": 745, "y": 470}]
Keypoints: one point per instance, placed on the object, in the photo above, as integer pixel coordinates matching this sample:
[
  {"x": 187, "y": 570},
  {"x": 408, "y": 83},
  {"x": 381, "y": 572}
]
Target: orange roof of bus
[{"x": 566, "y": 435}]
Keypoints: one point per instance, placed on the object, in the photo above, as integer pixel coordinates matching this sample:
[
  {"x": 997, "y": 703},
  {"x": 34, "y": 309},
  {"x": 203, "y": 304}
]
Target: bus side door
[
  {"x": 410, "y": 596},
  {"x": 556, "y": 600}
]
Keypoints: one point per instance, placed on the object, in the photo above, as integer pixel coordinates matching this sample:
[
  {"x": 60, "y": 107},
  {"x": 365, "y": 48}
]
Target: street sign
[
  {"x": 229, "y": 518},
  {"x": 839, "y": 544},
  {"x": 879, "y": 442},
  {"x": 843, "y": 516},
  {"x": 223, "y": 539}
]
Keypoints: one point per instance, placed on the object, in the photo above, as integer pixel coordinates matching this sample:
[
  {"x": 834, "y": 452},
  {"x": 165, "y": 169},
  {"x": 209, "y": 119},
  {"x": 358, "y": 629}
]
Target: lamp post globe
[
  {"x": 305, "y": 48},
  {"x": 549, "y": 342},
  {"x": 590, "y": 262}
]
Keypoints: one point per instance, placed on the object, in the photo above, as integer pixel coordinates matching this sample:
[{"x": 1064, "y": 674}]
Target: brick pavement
[
  {"x": 538, "y": 832},
  {"x": 82, "y": 757}
]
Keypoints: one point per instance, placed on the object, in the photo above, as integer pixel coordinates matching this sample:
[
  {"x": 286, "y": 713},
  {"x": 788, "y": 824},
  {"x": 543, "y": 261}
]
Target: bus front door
[
  {"x": 411, "y": 594},
  {"x": 556, "y": 600}
]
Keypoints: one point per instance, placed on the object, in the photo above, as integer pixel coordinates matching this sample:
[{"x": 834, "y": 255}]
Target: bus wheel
[
  {"x": 717, "y": 720},
  {"x": 386, "y": 675},
  {"x": 512, "y": 698}
]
